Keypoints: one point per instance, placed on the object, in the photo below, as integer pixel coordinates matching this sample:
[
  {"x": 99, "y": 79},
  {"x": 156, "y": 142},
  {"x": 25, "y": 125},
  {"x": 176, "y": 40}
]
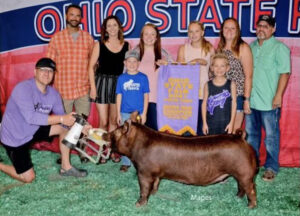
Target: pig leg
[
  {"x": 251, "y": 195},
  {"x": 155, "y": 186},
  {"x": 241, "y": 191},
  {"x": 249, "y": 187},
  {"x": 146, "y": 184}
]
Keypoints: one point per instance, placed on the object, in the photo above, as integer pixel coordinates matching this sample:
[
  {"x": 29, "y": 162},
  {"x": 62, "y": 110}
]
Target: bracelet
[{"x": 61, "y": 120}]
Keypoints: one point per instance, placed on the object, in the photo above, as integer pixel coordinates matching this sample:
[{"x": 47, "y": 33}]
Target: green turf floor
[{"x": 107, "y": 191}]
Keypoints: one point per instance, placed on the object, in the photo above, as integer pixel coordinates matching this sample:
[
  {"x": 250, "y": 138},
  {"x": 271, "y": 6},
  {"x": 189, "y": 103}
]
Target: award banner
[{"x": 178, "y": 98}]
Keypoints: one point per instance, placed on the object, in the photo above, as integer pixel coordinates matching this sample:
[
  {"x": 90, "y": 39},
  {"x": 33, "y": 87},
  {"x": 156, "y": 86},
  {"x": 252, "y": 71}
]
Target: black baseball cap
[
  {"x": 46, "y": 62},
  {"x": 269, "y": 19}
]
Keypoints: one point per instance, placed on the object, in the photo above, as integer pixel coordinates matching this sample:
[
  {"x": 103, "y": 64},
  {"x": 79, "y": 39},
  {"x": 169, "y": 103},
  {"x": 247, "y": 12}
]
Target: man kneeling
[{"x": 34, "y": 112}]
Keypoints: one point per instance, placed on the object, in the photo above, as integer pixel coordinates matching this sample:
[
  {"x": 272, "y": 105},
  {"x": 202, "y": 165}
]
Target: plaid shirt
[{"x": 72, "y": 58}]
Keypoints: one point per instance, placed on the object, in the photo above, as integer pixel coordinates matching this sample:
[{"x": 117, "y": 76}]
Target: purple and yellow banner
[{"x": 177, "y": 98}]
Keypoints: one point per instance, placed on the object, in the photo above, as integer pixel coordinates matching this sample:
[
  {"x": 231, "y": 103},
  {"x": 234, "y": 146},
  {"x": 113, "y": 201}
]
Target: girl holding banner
[
  {"x": 197, "y": 50},
  {"x": 241, "y": 65},
  {"x": 151, "y": 56}
]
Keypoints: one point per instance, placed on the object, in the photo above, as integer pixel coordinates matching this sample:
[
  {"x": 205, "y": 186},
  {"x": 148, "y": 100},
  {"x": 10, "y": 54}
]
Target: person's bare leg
[
  {"x": 112, "y": 126},
  {"x": 103, "y": 116},
  {"x": 112, "y": 117},
  {"x": 64, "y": 150},
  {"x": 26, "y": 177}
]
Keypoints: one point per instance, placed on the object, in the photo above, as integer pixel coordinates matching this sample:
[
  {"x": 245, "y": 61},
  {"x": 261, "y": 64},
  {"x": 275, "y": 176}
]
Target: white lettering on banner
[{"x": 158, "y": 12}]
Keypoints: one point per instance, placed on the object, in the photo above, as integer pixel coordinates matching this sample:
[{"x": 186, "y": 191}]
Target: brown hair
[
  {"x": 157, "y": 44},
  {"x": 104, "y": 34},
  {"x": 206, "y": 45},
  {"x": 235, "y": 46}
]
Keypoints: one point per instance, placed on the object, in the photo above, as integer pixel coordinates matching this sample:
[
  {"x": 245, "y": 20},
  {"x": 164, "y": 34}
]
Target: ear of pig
[{"x": 126, "y": 126}]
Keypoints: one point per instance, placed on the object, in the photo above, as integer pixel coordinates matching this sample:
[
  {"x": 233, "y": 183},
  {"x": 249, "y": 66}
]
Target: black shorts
[
  {"x": 106, "y": 88},
  {"x": 20, "y": 156}
]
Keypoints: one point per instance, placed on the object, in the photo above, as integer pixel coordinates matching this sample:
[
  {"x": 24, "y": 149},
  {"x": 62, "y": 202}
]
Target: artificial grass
[{"x": 107, "y": 191}]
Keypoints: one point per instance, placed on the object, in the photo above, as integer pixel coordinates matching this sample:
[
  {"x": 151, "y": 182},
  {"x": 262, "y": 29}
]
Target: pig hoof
[
  {"x": 140, "y": 203},
  {"x": 153, "y": 192},
  {"x": 240, "y": 194},
  {"x": 252, "y": 205}
]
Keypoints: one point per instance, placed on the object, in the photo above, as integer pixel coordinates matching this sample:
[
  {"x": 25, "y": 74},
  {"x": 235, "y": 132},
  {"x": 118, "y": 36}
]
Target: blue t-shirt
[{"x": 132, "y": 88}]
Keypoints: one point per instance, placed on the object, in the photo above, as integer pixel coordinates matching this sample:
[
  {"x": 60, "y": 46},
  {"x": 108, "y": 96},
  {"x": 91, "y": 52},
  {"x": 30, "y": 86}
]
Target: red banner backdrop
[{"x": 18, "y": 65}]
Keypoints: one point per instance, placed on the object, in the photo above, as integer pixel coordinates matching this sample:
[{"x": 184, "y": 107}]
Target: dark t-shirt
[{"x": 218, "y": 112}]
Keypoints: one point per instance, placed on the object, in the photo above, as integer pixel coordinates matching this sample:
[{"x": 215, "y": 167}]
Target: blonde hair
[
  {"x": 206, "y": 45},
  {"x": 219, "y": 56}
]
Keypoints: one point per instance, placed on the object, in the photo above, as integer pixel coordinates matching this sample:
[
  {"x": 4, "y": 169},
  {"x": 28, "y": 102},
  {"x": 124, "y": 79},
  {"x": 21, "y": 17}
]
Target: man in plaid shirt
[{"x": 71, "y": 49}]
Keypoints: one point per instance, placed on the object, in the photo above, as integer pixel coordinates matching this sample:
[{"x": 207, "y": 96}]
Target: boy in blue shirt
[{"x": 132, "y": 94}]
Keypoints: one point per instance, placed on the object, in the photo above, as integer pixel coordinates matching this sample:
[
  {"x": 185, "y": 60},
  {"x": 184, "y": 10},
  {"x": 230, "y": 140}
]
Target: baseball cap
[
  {"x": 46, "y": 62},
  {"x": 132, "y": 53},
  {"x": 269, "y": 19}
]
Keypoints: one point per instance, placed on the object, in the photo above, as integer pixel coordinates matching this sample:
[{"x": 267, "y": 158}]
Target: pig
[{"x": 190, "y": 160}]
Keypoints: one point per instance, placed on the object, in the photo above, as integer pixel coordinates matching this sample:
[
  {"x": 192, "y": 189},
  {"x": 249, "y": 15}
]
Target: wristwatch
[{"x": 246, "y": 98}]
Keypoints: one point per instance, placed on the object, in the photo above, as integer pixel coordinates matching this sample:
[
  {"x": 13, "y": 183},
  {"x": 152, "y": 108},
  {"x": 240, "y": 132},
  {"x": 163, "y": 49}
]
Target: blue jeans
[
  {"x": 239, "y": 103},
  {"x": 125, "y": 160},
  {"x": 269, "y": 120}
]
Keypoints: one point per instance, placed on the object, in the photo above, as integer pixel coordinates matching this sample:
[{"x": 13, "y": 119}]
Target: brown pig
[{"x": 190, "y": 160}]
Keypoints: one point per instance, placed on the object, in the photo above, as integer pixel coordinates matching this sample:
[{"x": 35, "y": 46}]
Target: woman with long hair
[
  {"x": 152, "y": 55},
  {"x": 241, "y": 65},
  {"x": 106, "y": 64},
  {"x": 197, "y": 50}
]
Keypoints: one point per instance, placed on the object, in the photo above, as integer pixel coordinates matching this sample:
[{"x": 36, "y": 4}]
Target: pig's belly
[{"x": 199, "y": 180}]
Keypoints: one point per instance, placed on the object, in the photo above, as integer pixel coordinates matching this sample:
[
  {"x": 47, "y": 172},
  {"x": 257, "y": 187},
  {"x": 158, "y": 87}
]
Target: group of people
[{"x": 249, "y": 79}]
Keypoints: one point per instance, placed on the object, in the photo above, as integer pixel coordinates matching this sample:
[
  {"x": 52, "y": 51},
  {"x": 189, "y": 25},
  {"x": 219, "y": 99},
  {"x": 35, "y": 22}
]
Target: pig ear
[{"x": 126, "y": 126}]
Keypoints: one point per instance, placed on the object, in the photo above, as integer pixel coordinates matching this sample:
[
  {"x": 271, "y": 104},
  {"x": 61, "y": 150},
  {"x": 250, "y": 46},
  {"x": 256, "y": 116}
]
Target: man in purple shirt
[{"x": 34, "y": 112}]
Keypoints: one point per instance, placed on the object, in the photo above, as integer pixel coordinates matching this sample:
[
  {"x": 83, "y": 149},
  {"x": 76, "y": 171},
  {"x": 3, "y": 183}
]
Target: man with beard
[
  {"x": 270, "y": 77},
  {"x": 71, "y": 49}
]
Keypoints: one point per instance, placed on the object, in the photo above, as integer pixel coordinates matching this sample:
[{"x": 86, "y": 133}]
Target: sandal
[
  {"x": 115, "y": 157},
  {"x": 73, "y": 172},
  {"x": 268, "y": 175}
]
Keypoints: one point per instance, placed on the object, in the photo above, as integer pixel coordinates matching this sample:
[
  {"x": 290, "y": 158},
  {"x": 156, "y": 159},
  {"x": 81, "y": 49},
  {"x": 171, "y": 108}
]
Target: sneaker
[
  {"x": 268, "y": 175},
  {"x": 124, "y": 168},
  {"x": 73, "y": 172}
]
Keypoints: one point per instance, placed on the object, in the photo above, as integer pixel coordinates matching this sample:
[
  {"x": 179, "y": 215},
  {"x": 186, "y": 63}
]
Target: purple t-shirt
[{"x": 26, "y": 110}]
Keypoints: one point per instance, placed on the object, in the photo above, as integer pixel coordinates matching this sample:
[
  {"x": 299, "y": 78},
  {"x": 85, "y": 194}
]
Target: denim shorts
[{"x": 240, "y": 103}]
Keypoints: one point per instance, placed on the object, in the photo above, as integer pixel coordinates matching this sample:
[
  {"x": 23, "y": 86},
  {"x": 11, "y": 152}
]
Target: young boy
[
  {"x": 132, "y": 94},
  {"x": 219, "y": 100}
]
